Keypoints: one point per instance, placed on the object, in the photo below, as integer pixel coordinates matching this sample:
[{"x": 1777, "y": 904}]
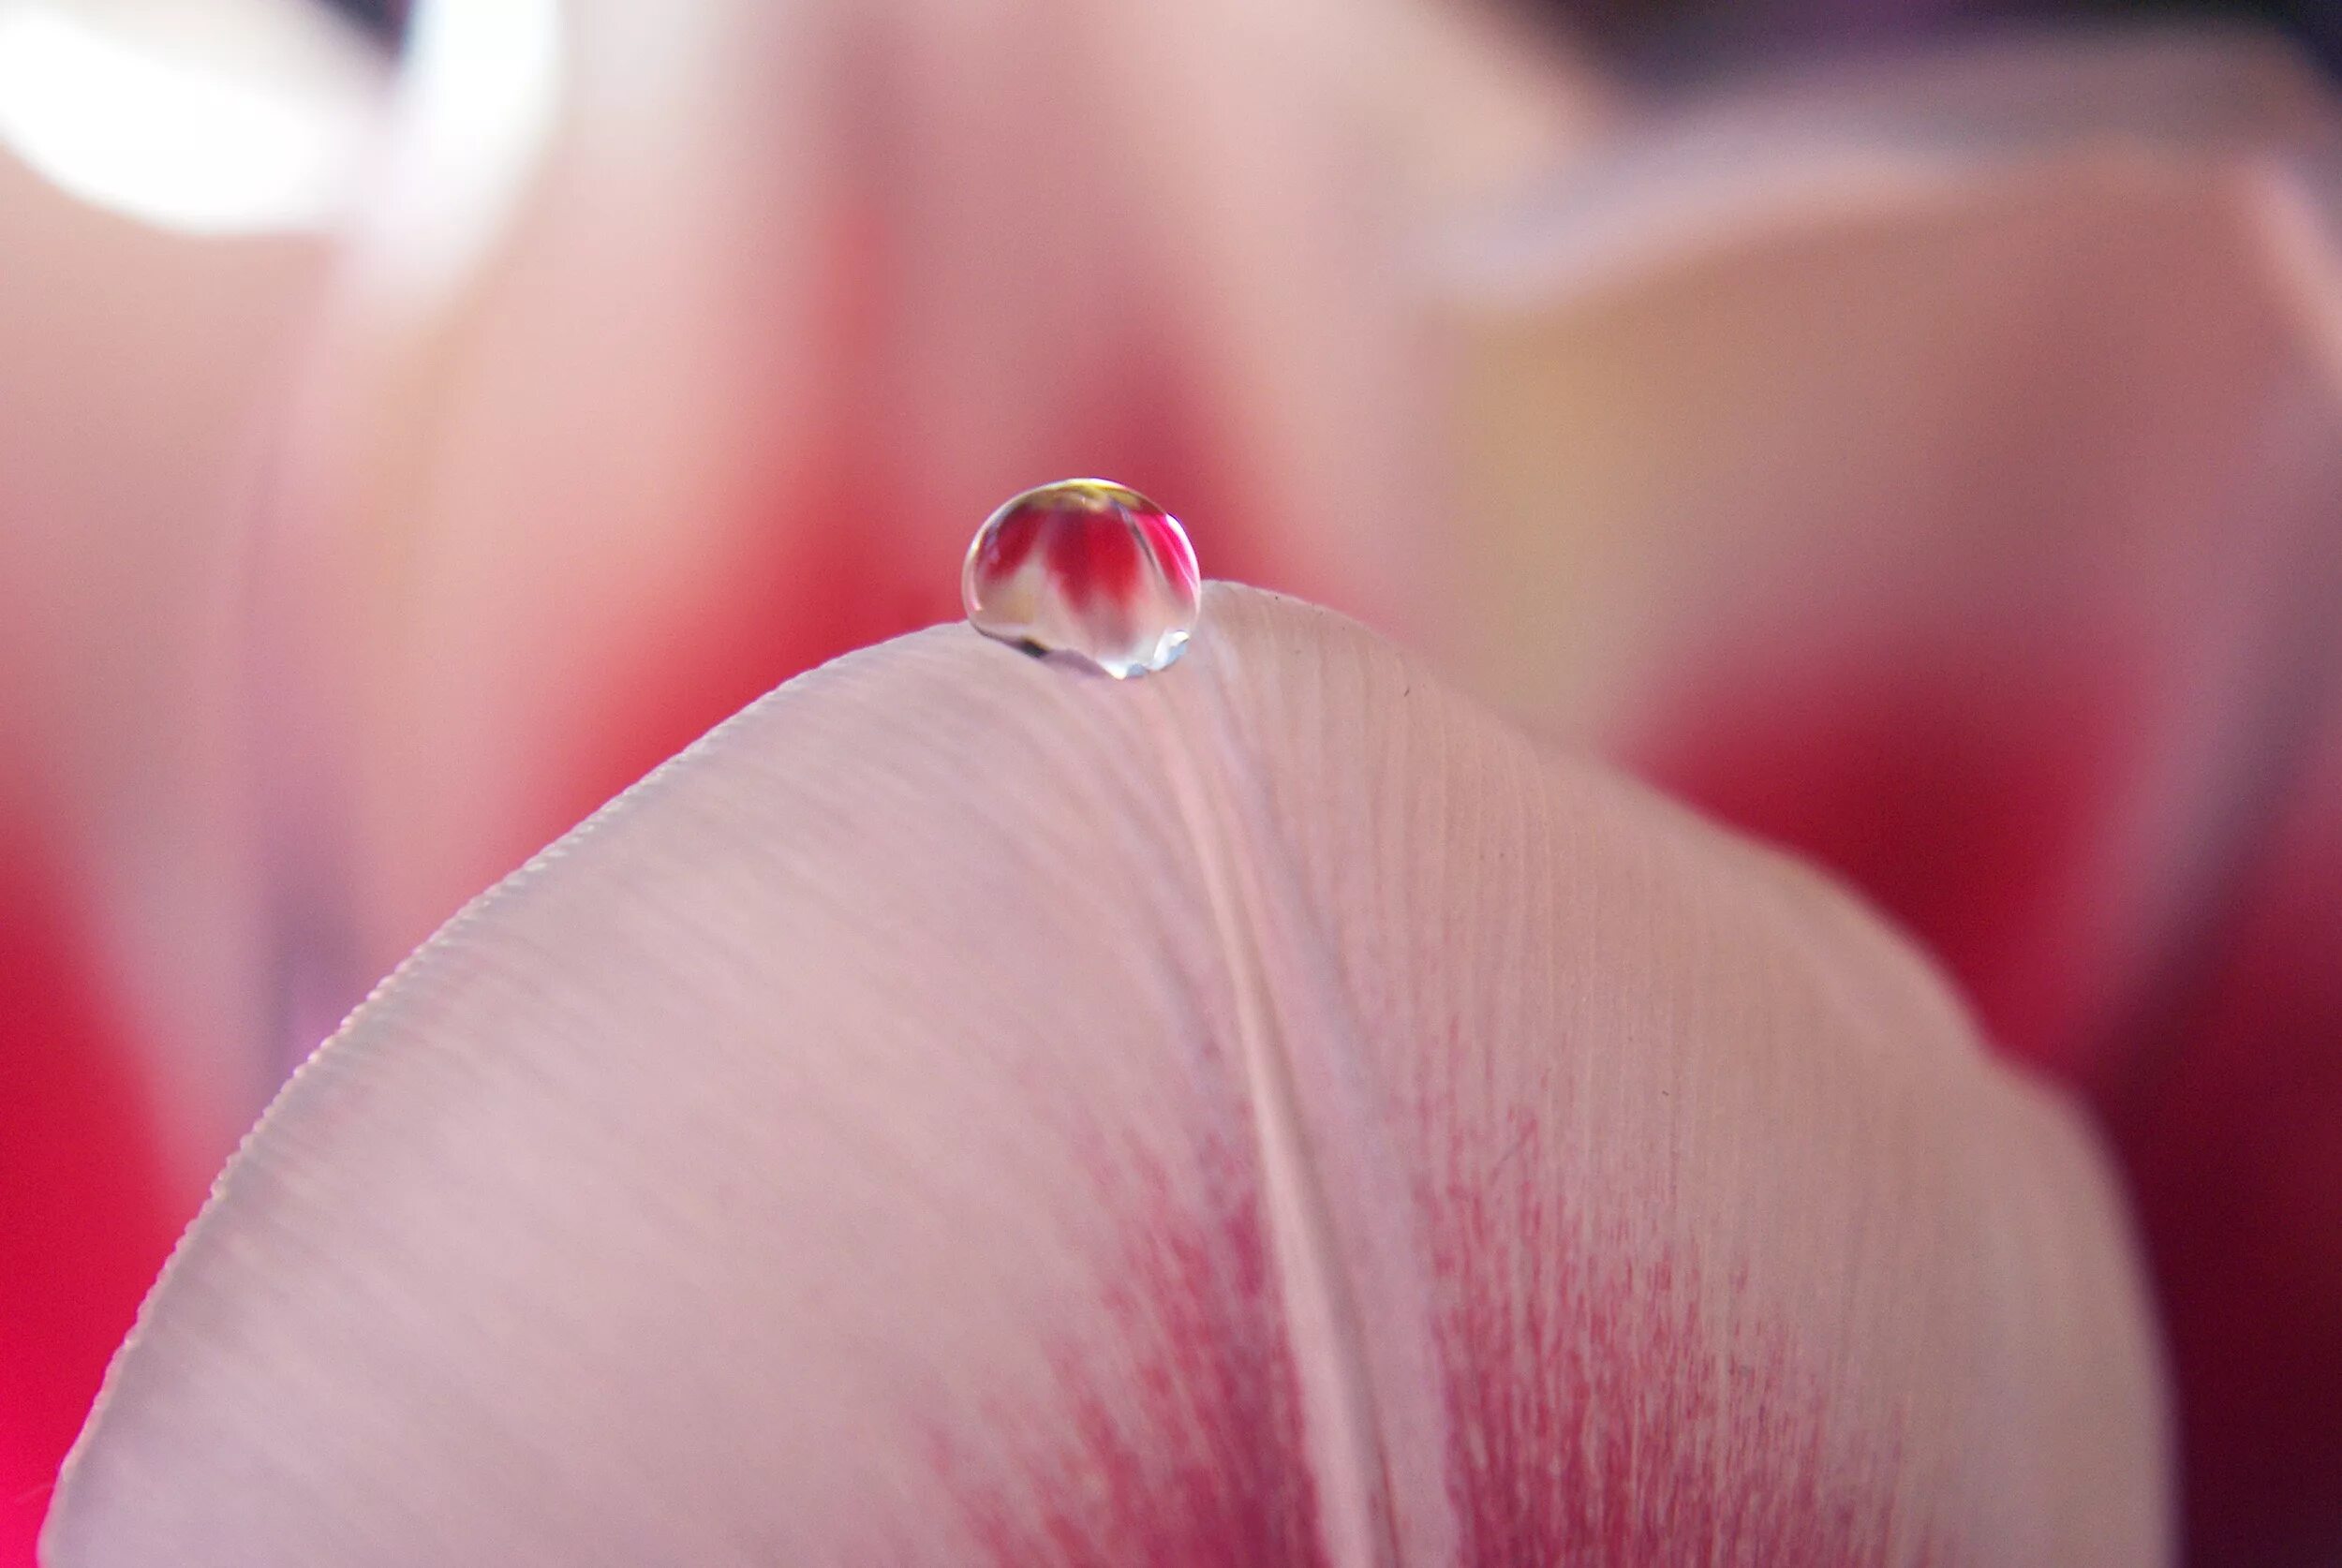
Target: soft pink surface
[{"x": 967, "y": 1112}]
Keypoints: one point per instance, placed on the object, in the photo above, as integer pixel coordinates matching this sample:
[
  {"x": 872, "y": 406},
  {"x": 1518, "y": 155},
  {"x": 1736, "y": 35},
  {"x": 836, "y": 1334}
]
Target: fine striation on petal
[{"x": 1269, "y": 1114}]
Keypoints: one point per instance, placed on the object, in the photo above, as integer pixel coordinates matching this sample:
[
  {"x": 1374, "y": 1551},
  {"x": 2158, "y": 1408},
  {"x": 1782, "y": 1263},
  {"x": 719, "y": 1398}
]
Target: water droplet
[{"x": 1088, "y": 570}]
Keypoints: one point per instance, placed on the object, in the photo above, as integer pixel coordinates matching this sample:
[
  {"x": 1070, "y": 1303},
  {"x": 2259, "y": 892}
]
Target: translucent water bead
[{"x": 1087, "y": 570}]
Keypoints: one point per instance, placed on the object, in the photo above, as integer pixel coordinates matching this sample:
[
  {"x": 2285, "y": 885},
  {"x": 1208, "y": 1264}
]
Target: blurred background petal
[
  {"x": 1944, "y": 482},
  {"x": 1316, "y": 1127},
  {"x": 146, "y": 323}
]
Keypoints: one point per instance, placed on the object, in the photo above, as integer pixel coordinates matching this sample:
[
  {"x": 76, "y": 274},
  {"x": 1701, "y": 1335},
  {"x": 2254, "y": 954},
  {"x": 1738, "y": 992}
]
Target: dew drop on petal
[{"x": 1085, "y": 569}]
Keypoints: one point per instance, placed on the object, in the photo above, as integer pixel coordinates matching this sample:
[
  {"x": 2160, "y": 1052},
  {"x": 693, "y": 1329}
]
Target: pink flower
[{"x": 1267, "y": 1114}]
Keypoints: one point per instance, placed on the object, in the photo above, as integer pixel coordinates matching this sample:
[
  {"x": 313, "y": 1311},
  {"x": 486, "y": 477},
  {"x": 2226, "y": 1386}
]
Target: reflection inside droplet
[{"x": 1087, "y": 570}]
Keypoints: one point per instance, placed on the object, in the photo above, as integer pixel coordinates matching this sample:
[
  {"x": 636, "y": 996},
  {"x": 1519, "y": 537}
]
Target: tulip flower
[{"x": 1921, "y": 470}]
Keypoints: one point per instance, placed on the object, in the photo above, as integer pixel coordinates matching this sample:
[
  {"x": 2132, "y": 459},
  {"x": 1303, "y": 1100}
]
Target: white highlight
[
  {"x": 175, "y": 140},
  {"x": 477, "y": 105}
]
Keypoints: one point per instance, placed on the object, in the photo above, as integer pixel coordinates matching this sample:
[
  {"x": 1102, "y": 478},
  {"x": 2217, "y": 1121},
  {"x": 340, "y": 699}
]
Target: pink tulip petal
[
  {"x": 1957, "y": 506},
  {"x": 134, "y": 365},
  {"x": 963, "y": 1112},
  {"x": 141, "y": 366}
]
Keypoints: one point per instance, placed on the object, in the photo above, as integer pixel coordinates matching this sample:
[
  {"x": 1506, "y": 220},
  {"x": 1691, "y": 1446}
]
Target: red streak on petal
[
  {"x": 85, "y": 1221},
  {"x": 1589, "y": 1417},
  {"x": 1589, "y": 1420},
  {"x": 1192, "y": 1458}
]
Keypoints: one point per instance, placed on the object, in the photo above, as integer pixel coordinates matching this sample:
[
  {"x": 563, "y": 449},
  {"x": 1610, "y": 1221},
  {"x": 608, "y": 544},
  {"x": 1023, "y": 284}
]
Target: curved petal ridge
[{"x": 867, "y": 1142}]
